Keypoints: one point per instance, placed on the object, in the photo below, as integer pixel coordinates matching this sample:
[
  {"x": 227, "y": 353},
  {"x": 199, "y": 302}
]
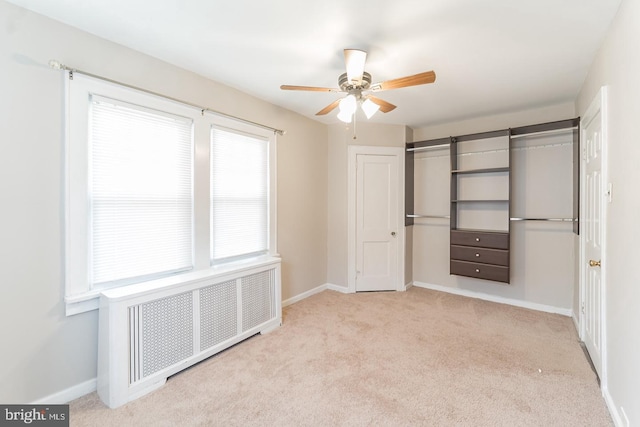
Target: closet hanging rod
[
  {"x": 545, "y": 219},
  {"x": 427, "y": 147},
  {"x": 428, "y": 216},
  {"x": 544, "y": 132}
]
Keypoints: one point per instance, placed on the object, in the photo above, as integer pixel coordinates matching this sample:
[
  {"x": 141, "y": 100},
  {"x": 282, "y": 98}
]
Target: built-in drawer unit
[
  {"x": 480, "y": 254},
  {"x": 481, "y": 239},
  {"x": 480, "y": 271}
]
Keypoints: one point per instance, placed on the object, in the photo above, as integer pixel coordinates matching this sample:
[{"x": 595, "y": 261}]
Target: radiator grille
[
  {"x": 257, "y": 299},
  {"x": 218, "y": 313},
  {"x": 161, "y": 334},
  {"x": 162, "y": 331}
]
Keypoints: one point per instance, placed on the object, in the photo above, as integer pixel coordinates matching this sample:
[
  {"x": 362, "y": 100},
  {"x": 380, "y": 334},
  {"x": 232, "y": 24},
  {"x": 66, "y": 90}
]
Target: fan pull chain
[{"x": 355, "y": 115}]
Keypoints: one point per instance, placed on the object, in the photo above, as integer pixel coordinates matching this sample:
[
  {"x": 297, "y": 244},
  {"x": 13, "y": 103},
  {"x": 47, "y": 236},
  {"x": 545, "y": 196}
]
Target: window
[
  {"x": 140, "y": 191},
  {"x": 239, "y": 195},
  {"x": 155, "y": 188}
]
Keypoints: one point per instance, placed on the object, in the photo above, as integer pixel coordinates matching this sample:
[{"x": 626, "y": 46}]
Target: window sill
[{"x": 90, "y": 300}]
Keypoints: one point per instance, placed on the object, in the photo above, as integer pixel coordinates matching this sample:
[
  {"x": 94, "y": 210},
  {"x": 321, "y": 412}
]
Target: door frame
[
  {"x": 353, "y": 152},
  {"x": 597, "y": 105}
]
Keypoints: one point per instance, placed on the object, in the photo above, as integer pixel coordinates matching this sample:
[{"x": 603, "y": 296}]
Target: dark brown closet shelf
[
  {"x": 484, "y": 170},
  {"x": 480, "y": 200}
]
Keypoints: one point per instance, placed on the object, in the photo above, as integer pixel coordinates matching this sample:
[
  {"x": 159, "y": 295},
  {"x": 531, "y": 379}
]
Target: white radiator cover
[{"x": 152, "y": 330}]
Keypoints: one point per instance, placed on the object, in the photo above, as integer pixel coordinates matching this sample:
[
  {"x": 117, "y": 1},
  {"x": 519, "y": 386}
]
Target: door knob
[
  {"x": 393, "y": 233},
  {"x": 593, "y": 263}
]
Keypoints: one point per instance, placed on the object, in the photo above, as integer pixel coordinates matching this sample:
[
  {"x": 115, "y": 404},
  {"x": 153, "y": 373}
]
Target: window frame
[
  {"x": 263, "y": 138},
  {"x": 79, "y": 294}
]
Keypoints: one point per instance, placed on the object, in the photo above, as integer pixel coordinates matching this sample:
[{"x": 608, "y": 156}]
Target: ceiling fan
[{"x": 356, "y": 83}]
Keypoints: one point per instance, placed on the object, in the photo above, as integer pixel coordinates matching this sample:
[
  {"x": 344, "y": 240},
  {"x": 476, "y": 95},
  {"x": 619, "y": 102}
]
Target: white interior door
[
  {"x": 593, "y": 232},
  {"x": 377, "y": 222}
]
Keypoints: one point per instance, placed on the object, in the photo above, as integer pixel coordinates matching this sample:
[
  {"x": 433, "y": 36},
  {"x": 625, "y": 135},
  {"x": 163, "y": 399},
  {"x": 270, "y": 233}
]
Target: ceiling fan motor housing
[{"x": 346, "y": 86}]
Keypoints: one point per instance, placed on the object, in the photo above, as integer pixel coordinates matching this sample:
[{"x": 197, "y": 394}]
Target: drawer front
[
  {"x": 480, "y": 271},
  {"x": 482, "y": 255},
  {"x": 480, "y": 239}
]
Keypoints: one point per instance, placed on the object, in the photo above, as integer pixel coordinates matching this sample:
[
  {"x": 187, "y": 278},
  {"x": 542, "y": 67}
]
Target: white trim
[
  {"x": 613, "y": 411},
  {"x": 408, "y": 286},
  {"x": 69, "y": 394},
  {"x": 304, "y": 295},
  {"x": 353, "y": 152},
  {"x": 338, "y": 288},
  {"x": 493, "y": 298},
  {"x": 576, "y": 322},
  {"x": 316, "y": 290}
]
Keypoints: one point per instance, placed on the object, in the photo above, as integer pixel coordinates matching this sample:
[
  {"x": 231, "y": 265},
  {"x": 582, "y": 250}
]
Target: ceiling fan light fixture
[
  {"x": 344, "y": 116},
  {"x": 348, "y": 104},
  {"x": 369, "y": 107}
]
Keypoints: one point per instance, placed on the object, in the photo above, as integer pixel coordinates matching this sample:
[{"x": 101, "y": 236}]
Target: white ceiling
[{"x": 490, "y": 56}]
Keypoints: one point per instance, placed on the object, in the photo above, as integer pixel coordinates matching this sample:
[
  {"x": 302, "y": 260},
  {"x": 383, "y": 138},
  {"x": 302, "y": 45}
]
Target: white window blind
[
  {"x": 141, "y": 195},
  {"x": 239, "y": 195}
]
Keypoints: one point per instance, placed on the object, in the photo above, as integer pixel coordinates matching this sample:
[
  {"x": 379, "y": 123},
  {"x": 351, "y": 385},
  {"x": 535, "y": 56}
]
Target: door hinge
[{"x": 582, "y": 308}]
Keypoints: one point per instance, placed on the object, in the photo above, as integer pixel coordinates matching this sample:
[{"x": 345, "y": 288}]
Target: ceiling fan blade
[
  {"x": 354, "y": 60},
  {"x": 385, "y": 106},
  {"x": 309, "y": 88},
  {"x": 415, "y": 80},
  {"x": 329, "y": 108}
]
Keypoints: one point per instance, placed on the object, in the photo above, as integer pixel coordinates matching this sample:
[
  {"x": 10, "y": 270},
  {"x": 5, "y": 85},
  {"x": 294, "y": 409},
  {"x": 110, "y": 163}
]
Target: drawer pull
[
  {"x": 477, "y": 255},
  {"x": 477, "y": 270},
  {"x": 477, "y": 239}
]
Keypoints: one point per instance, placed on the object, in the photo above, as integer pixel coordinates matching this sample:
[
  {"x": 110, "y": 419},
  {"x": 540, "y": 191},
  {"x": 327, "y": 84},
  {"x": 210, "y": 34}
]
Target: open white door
[
  {"x": 378, "y": 231},
  {"x": 593, "y": 231}
]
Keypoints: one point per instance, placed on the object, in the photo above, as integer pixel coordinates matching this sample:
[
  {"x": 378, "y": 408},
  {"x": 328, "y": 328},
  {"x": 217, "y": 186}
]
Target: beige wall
[
  {"x": 617, "y": 66},
  {"x": 542, "y": 255},
  {"x": 340, "y": 137},
  {"x": 44, "y": 352},
  {"x": 497, "y": 121}
]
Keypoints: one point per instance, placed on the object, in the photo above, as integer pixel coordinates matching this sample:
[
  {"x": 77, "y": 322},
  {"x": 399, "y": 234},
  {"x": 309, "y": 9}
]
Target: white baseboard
[
  {"x": 408, "y": 286},
  {"x": 69, "y": 394},
  {"x": 618, "y": 420},
  {"x": 318, "y": 289},
  {"x": 493, "y": 298},
  {"x": 338, "y": 288},
  {"x": 304, "y": 295}
]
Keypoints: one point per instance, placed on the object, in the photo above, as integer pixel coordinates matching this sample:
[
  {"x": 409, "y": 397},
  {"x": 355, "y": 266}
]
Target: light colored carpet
[{"x": 382, "y": 359}]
